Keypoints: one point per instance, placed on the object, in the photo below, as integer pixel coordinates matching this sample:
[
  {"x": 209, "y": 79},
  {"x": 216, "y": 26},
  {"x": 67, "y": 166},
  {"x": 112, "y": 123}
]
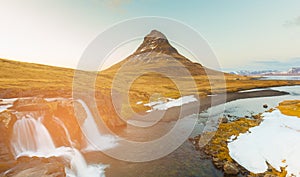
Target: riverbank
[
  {"x": 218, "y": 150},
  {"x": 181, "y": 162},
  {"x": 184, "y": 161}
]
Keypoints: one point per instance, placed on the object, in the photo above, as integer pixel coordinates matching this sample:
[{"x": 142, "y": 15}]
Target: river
[{"x": 185, "y": 160}]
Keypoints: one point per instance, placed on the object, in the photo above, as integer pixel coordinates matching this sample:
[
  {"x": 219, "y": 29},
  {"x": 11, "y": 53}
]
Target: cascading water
[
  {"x": 65, "y": 129},
  {"x": 31, "y": 138},
  {"x": 95, "y": 140}
]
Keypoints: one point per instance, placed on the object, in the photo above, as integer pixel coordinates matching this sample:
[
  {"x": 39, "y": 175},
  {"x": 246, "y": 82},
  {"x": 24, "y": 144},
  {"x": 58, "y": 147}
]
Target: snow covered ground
[
  {"x": 164, "y": 105},
  {"x": 275, "y": 141}
]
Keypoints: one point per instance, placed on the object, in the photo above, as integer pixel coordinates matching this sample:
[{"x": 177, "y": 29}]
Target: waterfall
[
  {"x": 65, "y": 129},
  {"x": 31, "y": 138},
  {"x": 94, "y": 139},
  {"x": 30, "y": 135}
]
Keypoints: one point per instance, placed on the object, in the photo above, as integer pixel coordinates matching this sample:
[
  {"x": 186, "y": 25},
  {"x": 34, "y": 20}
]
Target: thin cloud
[{"x": 294, "y": 22}]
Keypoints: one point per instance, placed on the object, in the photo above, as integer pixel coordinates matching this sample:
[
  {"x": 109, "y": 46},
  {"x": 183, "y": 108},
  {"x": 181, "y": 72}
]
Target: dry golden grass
[
  {"x": 290, "y": 107},
  {"x": 19, "y": 79}
]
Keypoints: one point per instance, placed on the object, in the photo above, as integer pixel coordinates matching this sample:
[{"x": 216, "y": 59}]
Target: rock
[
  {"x": 79, "y": 112},
  {"x": 65, "y": 112},
  {"x": 223, "y": 120},
  {"x": 30, "y": 104},
  {"x": 270, "y": 175},
  {"x": 57, "y": 114},
  {"x": 7, "y": 119},
  {"x": 215, "y": 159},
  {"x": 257, "y": 116},
  {"x": 265, "y": 106},
  {"x": 6, "y": 156},
  {"x": 34, "y": 166},
  {"x": 217, "y": 162},
  {"x": 230, "y": 168}
]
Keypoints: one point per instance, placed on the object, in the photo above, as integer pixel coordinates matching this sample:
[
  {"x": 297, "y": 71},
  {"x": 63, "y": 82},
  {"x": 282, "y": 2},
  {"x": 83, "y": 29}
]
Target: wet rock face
[
  {"x": 37, "y": 167},
  {"x": 68, "y": 112},
  {"x": 57, "y": 115},
  {"x": 65, "y": 111},
  {"x": 7, "y": 120}
]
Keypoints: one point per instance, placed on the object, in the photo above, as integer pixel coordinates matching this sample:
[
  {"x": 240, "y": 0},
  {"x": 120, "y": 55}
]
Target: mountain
[
  {"x": 157, "y": 68},
  {"x": 158, "y": 55},
  {"x": 255, "y": 73},
  {"x": 154, "y": 69},
  {"x": 292, "y": 71},
  {"x": 295, "y": 70}
]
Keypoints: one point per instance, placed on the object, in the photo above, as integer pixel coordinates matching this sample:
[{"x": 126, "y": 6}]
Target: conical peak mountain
[
  {"x": 156, "y": 42},
  {"x": 156, "y": 54},
  {"x": 154, "y": 34}
]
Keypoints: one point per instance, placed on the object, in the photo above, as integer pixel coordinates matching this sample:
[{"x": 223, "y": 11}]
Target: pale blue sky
[{"x": 248, "y": 33}]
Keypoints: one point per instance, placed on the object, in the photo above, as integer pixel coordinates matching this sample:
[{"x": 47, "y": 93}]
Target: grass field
[{"x": 138, "y": 82}]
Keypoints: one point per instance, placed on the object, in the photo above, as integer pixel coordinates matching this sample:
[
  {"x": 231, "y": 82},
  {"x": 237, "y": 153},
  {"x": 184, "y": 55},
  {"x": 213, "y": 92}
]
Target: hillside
[
  {"x": 19, "y": 79},
  {"x": 155, "y": 69}
]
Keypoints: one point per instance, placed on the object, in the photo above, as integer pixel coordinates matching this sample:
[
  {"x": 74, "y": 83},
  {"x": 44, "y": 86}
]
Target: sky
[{"x": 248, "y": 34}]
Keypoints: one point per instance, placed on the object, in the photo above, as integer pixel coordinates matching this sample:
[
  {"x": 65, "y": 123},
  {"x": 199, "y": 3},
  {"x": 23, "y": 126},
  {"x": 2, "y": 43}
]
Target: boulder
[
  {"x": 223, "y": 120},
  {"x": 230, "y": 168}
]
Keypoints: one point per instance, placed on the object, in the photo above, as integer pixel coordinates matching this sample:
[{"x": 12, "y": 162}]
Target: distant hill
[
  {"x": 292, "y": 71},
  {"x": 254, "y": 73},
  {"x": 295, "y": 70}
]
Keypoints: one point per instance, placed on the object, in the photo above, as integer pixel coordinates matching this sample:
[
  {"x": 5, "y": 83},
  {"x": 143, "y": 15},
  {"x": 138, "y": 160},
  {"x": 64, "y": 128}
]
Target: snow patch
[
  {"x": 275, "y": 141},
  {"x": 169, "y": 103}
]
